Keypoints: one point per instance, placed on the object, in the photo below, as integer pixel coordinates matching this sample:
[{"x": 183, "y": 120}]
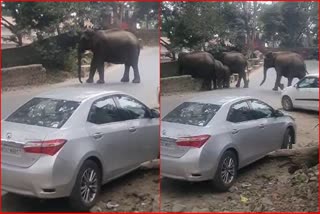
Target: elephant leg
[
  {"x": 101, "y": 73},
  {"x": 136, "y": 73},
  {"x": 278, "y": 82},
  {"x": 93, "y": 68},
  {"x": 226, "y": 82},
  {"x": 239, "y": 80},
  {"x": 206, "y": 85},
  {"x": 125, "y": 77},
  {"x": 245, "y": 80},
  {"x": 215, "y": 83},
  {"x": 289, "y": 82}
]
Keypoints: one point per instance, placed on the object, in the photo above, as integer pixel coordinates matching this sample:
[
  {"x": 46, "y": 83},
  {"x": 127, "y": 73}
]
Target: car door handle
[
  {"x": 132, "y": 129},
  {"x": 235, "y": 131},
  {"x": 261, "y": 126},
  {"x": 97, "y": 135}
]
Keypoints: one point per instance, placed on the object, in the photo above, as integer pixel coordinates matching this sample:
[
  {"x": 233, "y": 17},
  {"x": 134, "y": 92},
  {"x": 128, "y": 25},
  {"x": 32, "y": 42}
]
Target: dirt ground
[
  {"x": 135, "y": 192},
  {"x": 262, "y": 186}
]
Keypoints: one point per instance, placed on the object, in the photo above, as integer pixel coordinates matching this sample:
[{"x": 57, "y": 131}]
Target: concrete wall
[
  {"x": 169, "y": 69},
  {"x": 179, "y": 84},
  {"x": 23, "y": 75}
]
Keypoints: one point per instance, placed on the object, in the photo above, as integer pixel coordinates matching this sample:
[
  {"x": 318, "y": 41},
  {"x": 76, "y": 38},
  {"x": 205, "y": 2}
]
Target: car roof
[
  {"x": 313, "y": 75},
  {"x": 219, "y": 100},
  {"x": 76, "y": 93}
]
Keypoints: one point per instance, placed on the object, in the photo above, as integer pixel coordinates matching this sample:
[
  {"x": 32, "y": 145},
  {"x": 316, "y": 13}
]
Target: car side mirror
[
  {"x": 277, "y": 113},
  {"x": 154, "y": 113}
]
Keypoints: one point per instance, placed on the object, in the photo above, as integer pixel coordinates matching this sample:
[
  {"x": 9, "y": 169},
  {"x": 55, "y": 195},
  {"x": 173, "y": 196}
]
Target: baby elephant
[{"x": 222, "y": 75}]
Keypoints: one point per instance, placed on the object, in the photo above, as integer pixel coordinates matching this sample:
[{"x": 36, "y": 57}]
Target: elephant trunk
[
  {"x": 264, "y": 75},
  {"x": 79, "y": 65}
]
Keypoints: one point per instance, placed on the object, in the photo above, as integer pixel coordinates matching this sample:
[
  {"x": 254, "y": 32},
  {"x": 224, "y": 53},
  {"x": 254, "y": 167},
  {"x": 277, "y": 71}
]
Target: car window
[
  {"x": 192, "y": 113},
  {"x": 260, "y": 110},
  {"x": 46, "y": 112},
  {"x": 239, "y": 112},
  {"x": 131, "y": 109},
  {"x": 309, "y": 82},
  {"x": 104, "y": 111}
]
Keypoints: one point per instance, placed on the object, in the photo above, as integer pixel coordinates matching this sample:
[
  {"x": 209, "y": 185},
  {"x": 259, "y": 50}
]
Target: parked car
[
  {"x": 70, "y": 141},
  {"x": 210, "y": 139},
  {"x": 303, "y": 95}
]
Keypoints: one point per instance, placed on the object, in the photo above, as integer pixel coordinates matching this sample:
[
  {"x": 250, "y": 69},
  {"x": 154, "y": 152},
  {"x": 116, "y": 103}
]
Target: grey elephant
[
  {"x": 237, "y": 64},
  {"x": 113, "y": 46},
  {"x": 222, "y": 74},
  {"x": 199, "y": 65},
  {"x": 287, "y": 64}
]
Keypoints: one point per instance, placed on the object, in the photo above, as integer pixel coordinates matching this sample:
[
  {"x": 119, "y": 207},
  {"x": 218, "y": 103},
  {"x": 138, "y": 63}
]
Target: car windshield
[
  {"x": 192, "y": 113},
  {"x": 44, "y": 112}
]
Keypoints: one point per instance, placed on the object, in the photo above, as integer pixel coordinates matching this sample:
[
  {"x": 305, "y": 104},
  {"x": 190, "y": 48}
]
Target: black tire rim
[
  {"x": 89, "y": 185},
  {"x": 289, "y": 141},
  {"x": 228, "y": 170},
  {"x": 286, "y": 103}
]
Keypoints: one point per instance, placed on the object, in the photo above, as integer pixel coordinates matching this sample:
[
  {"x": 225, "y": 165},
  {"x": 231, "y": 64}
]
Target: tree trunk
[
  {"x": 20, "y": 42},
  {"x": 298, "y": 158}
]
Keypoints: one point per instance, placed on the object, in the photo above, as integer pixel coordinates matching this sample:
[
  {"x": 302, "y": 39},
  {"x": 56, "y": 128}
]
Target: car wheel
[
  {"x": 227, "y": 172},
  {"x": 286, "y": 103},
  {"x": 87, "y": 187},
  {"x": 288, "y": 139}
]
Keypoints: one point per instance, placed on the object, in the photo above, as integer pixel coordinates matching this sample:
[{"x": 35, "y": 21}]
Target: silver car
[
  {"x": 210, "y": 139},
  {"x": 70, "y": 141}
]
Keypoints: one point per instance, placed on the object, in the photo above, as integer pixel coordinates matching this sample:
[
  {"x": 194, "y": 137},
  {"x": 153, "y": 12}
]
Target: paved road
[
  {"x": 263, "y": 92},
  {"x": 146, "y": 91}
]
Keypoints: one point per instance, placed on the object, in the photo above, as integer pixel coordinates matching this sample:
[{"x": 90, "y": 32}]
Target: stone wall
[
  {"x": 179, "y": 84},
  {"x": 169, "y": 69},
  {"x": 23, "y": 75}
]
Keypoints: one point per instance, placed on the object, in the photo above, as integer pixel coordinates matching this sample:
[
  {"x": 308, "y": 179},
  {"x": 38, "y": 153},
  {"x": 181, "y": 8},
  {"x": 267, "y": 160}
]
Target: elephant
[
  {"x": 113, "y": 46},
  {"x": 199, "y": 65},
  {"x": 288, "y": 64},
  {"x": 222, "y": 74},
  {"x": 237, "y": 64}
]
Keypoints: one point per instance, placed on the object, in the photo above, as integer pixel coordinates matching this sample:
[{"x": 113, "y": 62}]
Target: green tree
[
  {"x": 146, "y": 12},
  {"x": 289, "y": 23}
]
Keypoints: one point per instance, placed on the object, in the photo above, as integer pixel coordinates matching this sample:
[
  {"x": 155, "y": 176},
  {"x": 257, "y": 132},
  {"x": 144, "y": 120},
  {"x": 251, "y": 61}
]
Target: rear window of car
[
  {"x": 45, "y": 112},
  {"x": 192, "y": 113}
]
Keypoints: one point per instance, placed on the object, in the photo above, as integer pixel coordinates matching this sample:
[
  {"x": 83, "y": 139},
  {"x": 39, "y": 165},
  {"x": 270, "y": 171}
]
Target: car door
[
  {"x": 110, "y": 135},
  {"x": 144, "y": 130},
  {"x": 271, "y": 127},
  {"x": 244, "y": 132},
  {"x": 307, "y": 94}
]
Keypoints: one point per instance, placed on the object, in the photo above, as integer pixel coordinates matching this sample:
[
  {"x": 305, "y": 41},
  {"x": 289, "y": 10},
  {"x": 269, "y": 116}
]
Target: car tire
[
  {"x": 288, "y": 139},
  {"x": 222, "y": 183},
  {"x": 79, "y": 202},
  {"x": 287, "y": 103}
]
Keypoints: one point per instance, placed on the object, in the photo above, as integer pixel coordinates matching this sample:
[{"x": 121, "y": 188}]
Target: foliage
[
  {"x": 50, "y": 23},
  {"x": 288, "y": 23},
  {"x": 193, "y": 24},
  {"x": 47, "y": 19}
]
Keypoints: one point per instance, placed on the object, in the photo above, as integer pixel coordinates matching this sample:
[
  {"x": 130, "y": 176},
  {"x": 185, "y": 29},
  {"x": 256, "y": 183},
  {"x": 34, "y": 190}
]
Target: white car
[{"x": 303, "y": 95}]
